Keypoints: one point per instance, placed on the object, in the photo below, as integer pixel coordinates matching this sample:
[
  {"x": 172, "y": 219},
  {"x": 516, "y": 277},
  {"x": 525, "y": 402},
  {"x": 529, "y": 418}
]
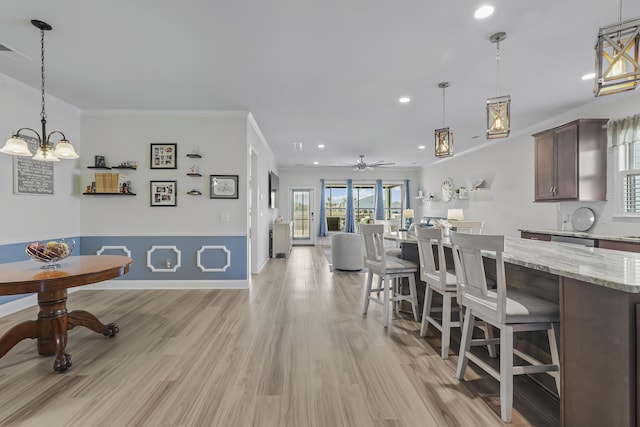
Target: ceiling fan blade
[{"x": 380, "y": 162}]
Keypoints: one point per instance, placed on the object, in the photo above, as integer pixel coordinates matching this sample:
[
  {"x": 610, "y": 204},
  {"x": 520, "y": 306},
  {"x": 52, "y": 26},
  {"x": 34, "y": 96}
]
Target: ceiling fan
[{"x": 361, "y": 165}]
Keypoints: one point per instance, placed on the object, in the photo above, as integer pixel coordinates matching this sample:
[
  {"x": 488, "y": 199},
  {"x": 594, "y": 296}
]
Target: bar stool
[
  {"x": 437, "y": 280},
  {"x": 508, "y": 310},
  {"x": 386, "y": 268}
]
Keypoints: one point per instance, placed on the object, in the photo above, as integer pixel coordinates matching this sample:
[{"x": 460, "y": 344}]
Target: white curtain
[{"x": 623, "y": 131}]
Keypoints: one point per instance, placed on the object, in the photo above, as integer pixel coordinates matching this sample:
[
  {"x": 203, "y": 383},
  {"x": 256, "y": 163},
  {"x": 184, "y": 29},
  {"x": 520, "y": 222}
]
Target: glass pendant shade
[
  {"x": 498, "y": 117},
  {"x": 444, "y": 142},
  {"x": 16, "y": 146},
  {"x": 46, "y": 155},
  {"x": 617, "y": 59},
  {"x": 64, "y": 150}
]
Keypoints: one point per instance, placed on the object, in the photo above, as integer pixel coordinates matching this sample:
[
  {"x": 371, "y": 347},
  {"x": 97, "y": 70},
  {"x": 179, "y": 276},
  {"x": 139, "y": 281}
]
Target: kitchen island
[
  {"x": 599, "y": 295},
  {"x": 630, "y": 243}
]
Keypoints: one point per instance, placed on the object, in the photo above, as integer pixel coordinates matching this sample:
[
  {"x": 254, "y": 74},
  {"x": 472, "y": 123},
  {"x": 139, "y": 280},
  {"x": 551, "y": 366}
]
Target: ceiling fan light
[
  {"x": 617, "y": 58},
  {"x": 16, "y": 146},
  {"x": 498, "y": 117}
]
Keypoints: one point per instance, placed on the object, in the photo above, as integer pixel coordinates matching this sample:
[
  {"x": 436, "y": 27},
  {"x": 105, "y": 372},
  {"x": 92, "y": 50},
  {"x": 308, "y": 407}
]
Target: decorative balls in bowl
[{"x": 50, "y": 252}]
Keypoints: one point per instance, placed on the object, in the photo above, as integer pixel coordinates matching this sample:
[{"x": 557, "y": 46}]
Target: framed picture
[
  {"x": 164, "y": 156},
  {"x": 163, "y": 193},
  {"x": 224, "y": 186}
]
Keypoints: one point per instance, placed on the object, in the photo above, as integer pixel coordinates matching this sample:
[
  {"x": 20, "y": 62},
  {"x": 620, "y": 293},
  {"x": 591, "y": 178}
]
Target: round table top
[{"x": 27, "y": 277}]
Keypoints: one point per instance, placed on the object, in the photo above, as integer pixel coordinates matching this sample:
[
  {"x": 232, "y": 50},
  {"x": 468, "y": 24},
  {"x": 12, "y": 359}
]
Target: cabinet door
[
  {"x": 566, "y": 141},
  {"x": 619, "y": 246},
  {"x": 535, "y": 236},
  {"x": 544, "y": 167}
]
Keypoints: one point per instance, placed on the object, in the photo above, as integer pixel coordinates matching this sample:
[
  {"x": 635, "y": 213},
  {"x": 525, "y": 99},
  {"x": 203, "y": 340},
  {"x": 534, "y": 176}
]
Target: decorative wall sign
[
  {"x": 163, "y": 193},
  {"x": 224, "y": 186},
  {"x": 164, "y": 156},
  {"x": 32, "y": 176}
]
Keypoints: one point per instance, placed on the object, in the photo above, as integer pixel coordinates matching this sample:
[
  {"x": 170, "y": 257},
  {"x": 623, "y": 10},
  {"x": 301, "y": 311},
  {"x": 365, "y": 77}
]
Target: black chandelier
[{"x": 17, "y": 145}]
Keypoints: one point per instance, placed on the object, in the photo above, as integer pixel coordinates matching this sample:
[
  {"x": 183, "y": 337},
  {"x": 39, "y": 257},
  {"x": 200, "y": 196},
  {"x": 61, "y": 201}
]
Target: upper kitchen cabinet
[{"x": 571, "y": 162}]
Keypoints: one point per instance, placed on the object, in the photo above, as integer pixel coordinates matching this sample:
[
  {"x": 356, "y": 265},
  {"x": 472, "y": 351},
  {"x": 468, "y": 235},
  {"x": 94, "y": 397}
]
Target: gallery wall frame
[
  {"x": 164, "y": 156},
  {"x": 163, "y": 193},
  {"x": 223, "y": 186}
]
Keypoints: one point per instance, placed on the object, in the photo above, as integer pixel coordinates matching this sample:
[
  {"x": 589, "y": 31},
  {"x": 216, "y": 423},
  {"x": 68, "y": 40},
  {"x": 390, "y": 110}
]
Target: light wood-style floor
[{"x": 292, "y": 351}]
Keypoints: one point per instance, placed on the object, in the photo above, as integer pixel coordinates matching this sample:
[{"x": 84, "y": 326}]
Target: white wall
[
  {"x": 310, "y": 178},
  {"x": 507, "y": 166},
  {"x": 25, "y": 218},
  {"x": 262, "y": 215},
  {"x": 221, "y": 138}
]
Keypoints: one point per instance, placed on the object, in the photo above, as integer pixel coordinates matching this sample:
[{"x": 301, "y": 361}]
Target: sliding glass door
[{"x": 302, "y": 215}]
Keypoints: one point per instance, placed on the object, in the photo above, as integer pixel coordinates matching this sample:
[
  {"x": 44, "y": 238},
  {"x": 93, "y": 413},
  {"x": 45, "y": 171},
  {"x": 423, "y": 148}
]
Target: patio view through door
[{"x": 302, "y": 216}]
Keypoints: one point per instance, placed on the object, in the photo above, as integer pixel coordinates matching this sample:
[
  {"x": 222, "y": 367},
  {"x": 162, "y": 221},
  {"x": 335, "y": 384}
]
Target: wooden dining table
[{"x": 53, "y": 321}]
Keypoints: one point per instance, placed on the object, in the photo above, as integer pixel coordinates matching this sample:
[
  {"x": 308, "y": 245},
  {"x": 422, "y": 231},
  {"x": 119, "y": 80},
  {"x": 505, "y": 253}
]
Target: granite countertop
[
  {"x": 633, "y": 239},
  {"x": 603, "y": 267}
]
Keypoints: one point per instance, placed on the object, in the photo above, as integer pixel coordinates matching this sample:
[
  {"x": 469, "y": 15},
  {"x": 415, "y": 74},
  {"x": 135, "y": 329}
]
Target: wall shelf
[
  {"x": 194, "y": 155},
  {"x": 194, "y": 174},
  {"x": 430, "y": 198},
  {"x": 194, "y": 193},
  {"x": 98, "y": 167},
  {"x": 124, "y": 167},
  {"x": 108, "y": 194}
]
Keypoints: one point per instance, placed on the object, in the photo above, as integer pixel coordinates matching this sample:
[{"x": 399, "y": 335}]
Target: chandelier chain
[
  {"x": 619, "y": 11},
  {"x": 43, "y": 114},
  {"x": 443, "y": 104},
  {"x": 497, "y": 66}
]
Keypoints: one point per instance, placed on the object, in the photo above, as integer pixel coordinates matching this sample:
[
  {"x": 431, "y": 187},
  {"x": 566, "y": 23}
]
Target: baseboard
[
  {"x": 168, "y": 284},
  {"x": 17, "y": 305}
]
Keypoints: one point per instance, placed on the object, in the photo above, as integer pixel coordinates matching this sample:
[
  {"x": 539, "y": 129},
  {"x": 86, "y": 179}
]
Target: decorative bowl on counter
[{"x": 50, "y": 252}]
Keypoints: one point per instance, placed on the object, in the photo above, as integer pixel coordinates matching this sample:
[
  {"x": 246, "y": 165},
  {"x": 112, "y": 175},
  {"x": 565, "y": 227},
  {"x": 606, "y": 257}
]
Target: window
[
  {"x": 628, "y": 178},
  {"x": 364, "y": 196}
]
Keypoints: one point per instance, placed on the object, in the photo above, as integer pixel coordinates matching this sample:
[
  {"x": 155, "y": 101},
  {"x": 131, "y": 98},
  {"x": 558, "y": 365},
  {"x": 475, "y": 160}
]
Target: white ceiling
[{"x": 314, "y": 72}]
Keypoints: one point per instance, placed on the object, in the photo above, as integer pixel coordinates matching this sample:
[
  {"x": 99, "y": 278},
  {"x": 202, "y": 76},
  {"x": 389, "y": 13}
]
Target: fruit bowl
[{"x": 50, "y": 252}]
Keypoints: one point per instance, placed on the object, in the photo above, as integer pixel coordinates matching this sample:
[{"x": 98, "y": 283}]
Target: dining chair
[
  {"x": 507, "y": 310},
  {"x": 438, "y": 280},
  {"x": 387, "y": 268}
]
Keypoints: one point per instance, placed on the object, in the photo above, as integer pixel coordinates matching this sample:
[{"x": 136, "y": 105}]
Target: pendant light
[
  {"x": 498, "y": 108},
  {"x": 17, "y": 145},
  {"x": 443, "y": 136},
  {"x": 617, "y": 61}
]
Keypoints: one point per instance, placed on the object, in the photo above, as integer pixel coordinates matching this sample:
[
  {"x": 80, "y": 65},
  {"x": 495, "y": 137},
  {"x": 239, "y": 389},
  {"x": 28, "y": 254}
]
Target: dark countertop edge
[{"x": 583, "y": 235}]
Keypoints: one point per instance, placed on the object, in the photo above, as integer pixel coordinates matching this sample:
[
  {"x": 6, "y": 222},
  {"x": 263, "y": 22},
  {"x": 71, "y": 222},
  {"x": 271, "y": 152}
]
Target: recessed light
[
  {"x": 421, "y": 147},
  {"x": 483, "y": 12},
  {"x": 404, "y": 100},
  {"x": 320, "y": 145},
  {"x": 316, "y": 163},
  {"x": 589, "y": 76}
]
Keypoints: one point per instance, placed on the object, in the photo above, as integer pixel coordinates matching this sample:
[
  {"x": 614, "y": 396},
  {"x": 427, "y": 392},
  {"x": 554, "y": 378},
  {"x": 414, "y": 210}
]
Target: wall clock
[{"x": 447, "y": 190}]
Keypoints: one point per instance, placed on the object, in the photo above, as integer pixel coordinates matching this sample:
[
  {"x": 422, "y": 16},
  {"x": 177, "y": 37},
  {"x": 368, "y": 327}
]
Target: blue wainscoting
[
  {"x": 14, "y": 252},
  {"x": 158, "y": 258},
  {"x": 218, "y": 260}
]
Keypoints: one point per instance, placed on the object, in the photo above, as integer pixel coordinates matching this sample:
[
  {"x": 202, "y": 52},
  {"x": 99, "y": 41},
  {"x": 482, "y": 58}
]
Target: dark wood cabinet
[
  {"x": 535, "y": 236},
  {"x": 571, "y": 162},
  {"x": 619, "y": 245}
]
